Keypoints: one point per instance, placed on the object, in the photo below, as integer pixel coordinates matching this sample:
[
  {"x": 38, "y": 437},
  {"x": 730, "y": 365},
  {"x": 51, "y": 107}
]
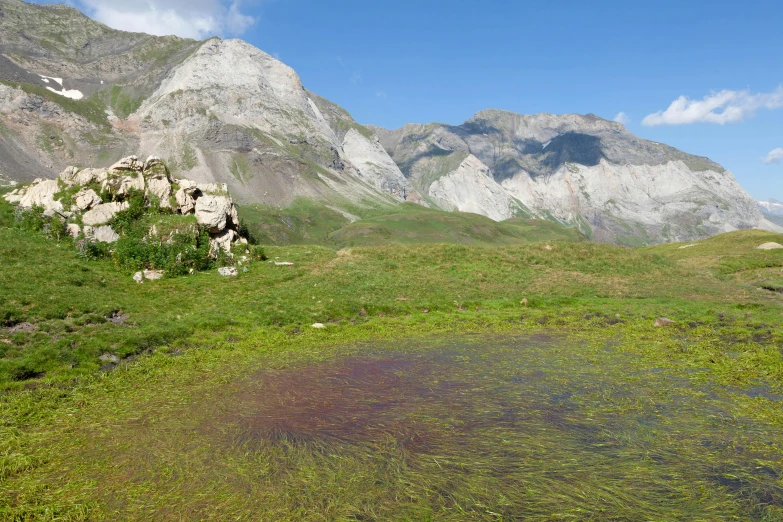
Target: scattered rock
[
  {"x": 108, "y": 357},
  {"x": 769, "y": 246},
  {"x": 318, "y": 325},
  {"x": 22, "y": 327},
  {"x": 283, "y": 263},
  {"x": 138, "y": 277},
  {"x": 227, "y": 271},
  {"x": 153, "y": 275},
  {"x": 663, "y": 321},
  {"x": 689, "y": 246}
]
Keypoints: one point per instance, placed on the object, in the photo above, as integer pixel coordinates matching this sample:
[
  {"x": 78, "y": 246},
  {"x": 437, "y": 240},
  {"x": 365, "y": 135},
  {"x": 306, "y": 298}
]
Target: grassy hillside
[
  {"x": 307, "y": 222},
  {"x": 103, "y": 379}
]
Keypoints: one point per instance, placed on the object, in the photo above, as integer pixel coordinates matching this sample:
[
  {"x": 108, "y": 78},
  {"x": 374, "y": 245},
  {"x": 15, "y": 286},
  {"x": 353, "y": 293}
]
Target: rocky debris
[
  {"x": 769, "y": 246},
  {"x": 108, "y": 357},
  {"x": 86, "y": 198},
  {"x": 689, "y": 246},
  {"x": 663, "y": 321},
  {"x": 210, "y": 202},
  {"x": 318, "y": 326},
  {"x": 103, "y": 213},
  {"x": 283, "y": 263},
  {"x": 138, "y": 277},
  {"x": 227, "y": 271}
]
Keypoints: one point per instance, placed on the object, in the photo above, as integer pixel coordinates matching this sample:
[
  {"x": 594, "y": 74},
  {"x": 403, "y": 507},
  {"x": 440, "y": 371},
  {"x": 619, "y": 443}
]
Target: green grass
[
  {"x": 660, "y": 423},
  {"x": 434, "y": 226}
]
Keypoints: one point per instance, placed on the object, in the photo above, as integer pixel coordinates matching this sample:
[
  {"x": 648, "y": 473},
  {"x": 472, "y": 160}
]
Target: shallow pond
[{"x": 468, "y": 428}]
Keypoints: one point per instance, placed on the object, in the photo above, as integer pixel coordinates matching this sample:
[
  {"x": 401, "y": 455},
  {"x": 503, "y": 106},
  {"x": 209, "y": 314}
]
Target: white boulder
[
  {"x": 86, "y": 198},
  {"x": 130, "y": 163},
  {"x": 769, "y": 246},
  {"x": 153, "y": 275},
  {"x": 214, "y": 212},
  {"x": 73, "y": 230},
  {"x": 222, "y": 241},
  {"x": 227, "y": 271},
  {"x": 161, "y": 188},
  {"x": 184, "y": 196},
  {"x": 41, "y": 193},
  {"x": 103, "y": 234},
  {"x": 103, "y": 213}
]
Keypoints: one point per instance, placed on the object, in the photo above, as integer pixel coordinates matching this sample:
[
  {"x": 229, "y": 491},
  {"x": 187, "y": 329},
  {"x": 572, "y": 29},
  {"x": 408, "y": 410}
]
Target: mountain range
[{"x": 75, "y": 92}]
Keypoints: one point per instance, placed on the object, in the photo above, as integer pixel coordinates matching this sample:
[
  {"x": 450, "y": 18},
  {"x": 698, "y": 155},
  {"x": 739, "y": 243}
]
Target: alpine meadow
[{"x": 223, "y": 298}]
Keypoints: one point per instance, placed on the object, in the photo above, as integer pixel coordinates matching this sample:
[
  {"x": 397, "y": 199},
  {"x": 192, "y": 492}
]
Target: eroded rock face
[{"x": 580, "y": 170}]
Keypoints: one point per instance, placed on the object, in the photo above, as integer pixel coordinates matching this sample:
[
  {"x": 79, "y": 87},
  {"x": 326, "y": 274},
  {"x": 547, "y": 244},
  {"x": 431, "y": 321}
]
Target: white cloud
[
  {"x": 187, "y": 18},
  {"x": 774, "y": 156},
  {"x": 622, "y": 118},
  {"x": 719, "y": 107},
  {"x": 356, "y": 77},
  {"x": 381, "y": 94}
]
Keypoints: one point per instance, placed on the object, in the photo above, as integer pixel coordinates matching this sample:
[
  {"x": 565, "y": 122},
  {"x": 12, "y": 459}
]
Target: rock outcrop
[{"x": 74, "y": 198}]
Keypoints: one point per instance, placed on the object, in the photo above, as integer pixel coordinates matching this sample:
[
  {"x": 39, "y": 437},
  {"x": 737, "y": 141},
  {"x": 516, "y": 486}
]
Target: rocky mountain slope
[
  {"x": 73, "y": 91},
  {"x": 580, "y": 170}
]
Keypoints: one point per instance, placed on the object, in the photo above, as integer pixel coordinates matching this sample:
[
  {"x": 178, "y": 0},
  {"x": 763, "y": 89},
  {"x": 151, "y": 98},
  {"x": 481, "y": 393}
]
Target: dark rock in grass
[
  {"x": 22, "y": 327},
  {"x": 117, "y": 317},
  {"x": 110, "y": 358},
  {"x": 663, "y": 321}
]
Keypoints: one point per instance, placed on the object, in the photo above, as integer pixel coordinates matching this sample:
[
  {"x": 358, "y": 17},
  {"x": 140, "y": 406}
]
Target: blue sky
[{"x": 389, "y": 63}]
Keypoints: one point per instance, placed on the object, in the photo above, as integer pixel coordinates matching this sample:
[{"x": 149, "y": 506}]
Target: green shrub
[{"x": 177, "y": 256}]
